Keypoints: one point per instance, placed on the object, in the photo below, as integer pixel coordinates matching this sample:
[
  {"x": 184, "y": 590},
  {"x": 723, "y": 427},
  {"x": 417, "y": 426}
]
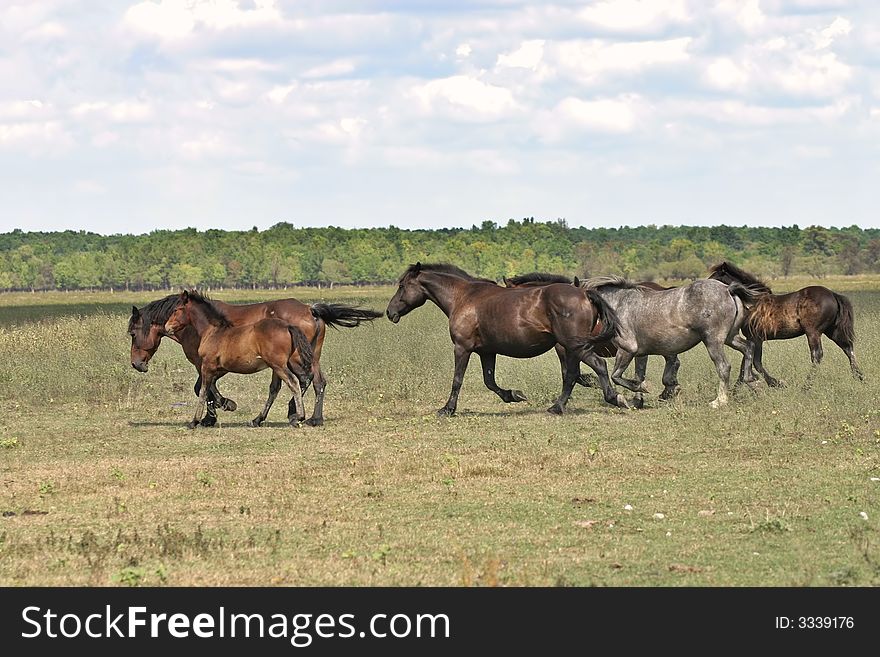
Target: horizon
[{"x": 609, "y": 113}]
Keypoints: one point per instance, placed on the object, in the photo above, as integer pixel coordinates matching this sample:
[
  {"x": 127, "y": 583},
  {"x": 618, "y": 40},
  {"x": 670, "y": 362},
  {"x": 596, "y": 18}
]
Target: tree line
[{"x": 285, "y": 255}]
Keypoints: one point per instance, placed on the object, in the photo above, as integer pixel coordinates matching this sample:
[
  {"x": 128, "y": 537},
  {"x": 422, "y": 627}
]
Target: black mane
[
  {"x": 155, "y": 312},
  {"x": 739, "y": 275},
  {"x": 598, "y": 282},
  {"x": 538, "y": 277},
  {"x": 444, "y": 268},
  {"x": 214, "y": 314}
]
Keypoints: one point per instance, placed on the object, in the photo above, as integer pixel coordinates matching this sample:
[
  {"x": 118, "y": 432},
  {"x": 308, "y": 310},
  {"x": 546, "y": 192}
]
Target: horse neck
[
  {"x": 444, "y": 289},
  {"x": 198, "y": 320}
]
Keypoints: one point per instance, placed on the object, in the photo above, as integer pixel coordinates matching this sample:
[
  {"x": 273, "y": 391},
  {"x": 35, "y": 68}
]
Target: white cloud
[
  {"x": 173, "y": 19},
  {"x": 590, "y": 61},
  {"x": 528, "y": 55},
  {"x": 724, "y": 73},
  {"x": 466, "y": 97},
  {"x": 330, "y": 69},
  {"x": 127, "y": 111},
  {"x": 635, "y": 15},
  {"x": 618, "y": 115}
]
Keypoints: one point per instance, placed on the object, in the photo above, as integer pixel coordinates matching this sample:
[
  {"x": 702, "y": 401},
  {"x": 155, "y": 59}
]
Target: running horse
[
  {"x": 489, "y": 320},
  {"x": 810, "y": 311},
  {"x": 669, "y": 322},
  {"x": 670, "y": 373},
  {"x": 147, "y": 328},
  {"x": 223, "y": 348}
]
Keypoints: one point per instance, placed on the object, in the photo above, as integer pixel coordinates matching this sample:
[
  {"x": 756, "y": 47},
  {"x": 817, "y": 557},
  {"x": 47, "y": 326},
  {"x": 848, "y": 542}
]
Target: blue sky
[{"x": 122, "y": 116}]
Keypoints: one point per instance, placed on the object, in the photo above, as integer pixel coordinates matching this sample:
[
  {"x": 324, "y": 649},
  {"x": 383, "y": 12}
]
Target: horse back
[{"x": 291, "y": 311}]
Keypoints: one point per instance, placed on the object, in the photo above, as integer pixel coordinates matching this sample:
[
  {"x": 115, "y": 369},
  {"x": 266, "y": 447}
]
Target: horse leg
[
  {"x": 320, "y": 384},
  {"x": 847, "y": 348},
  {"x": 274, "y": 387},
  {"x": 210, "y": 418},
  {"x": 716, "y": 353},
  {"x": 207, "y": 382},
  {"x": 814, "y": 339},
  {"x": 507, "y": 396},
  {"x": 747, "y": 349},
  {"x": 292, "y": 381},
  {"x": 462, "y": 356},
  {"x": 611, "y": 395},
  {"x": 670, "y": 378},
  {"x": 621, "y": 362},
  {"x": 581, "y": 379},
  {"x": 641, "y": 375},
  {"x": 758, "y": 359},
  {"x": 572, "y": 365}
]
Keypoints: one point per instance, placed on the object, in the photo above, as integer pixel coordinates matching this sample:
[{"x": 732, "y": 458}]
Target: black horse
[
  {"x": 810, "y": 311},
  {"x": 519, "y": 322}
]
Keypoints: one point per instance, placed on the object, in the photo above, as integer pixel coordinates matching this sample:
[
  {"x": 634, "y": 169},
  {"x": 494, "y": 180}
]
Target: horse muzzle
[
  {"x": 394, "y": 317},
  {"x": 140, "y": 366}
]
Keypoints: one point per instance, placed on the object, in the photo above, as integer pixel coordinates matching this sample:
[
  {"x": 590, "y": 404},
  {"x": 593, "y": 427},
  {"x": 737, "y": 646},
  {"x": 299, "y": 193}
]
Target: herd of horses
[{"x": 584, "y": 321}]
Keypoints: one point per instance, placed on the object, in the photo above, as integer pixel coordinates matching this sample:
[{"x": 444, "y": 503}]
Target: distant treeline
[{"x": 285, "y": 255}]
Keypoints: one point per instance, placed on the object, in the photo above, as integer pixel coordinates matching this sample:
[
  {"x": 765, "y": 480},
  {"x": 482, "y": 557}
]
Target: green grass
[{"x": 103, "y": 485}]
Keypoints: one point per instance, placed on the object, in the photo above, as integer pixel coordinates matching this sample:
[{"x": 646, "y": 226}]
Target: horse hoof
[
  {"x": 446, "y": 412},
  {"x": 192, "y": 425},
  {"x": 208, "y": 421},
  {"x": 294, "y": 424},
  {"x": 517, "y": 396},
  {"x": 229, "y": 405},
  {"x": 255, "y": 422},
  {"x": 315, "y": 422},
  {"x": 669, "y": 393},
  {"x": 638, "y": 403},
  {"x": 775, "y": 383},
  {"x": 556, "y": 409},
  {"x": 622, "y": 403}
]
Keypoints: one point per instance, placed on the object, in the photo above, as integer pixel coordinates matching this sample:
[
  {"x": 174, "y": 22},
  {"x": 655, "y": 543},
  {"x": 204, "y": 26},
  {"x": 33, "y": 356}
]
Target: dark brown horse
[
  {"x": 269, "y": 343},
  {"x": 520, "y": 322},
  {"x": 670, "y": 374},
  {"x": 810, "y": 311},
  {"x": 147, "y": 328}
]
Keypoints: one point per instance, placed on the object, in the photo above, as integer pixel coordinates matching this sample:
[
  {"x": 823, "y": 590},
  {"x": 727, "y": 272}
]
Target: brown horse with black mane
[
  {"x": 518, "y": 322},
  {"x": 147, "y": 328},
  {"x": 670, "y": 376},
  {"x": 810, "y": 311},
  {"x": 223, "y": 348}
]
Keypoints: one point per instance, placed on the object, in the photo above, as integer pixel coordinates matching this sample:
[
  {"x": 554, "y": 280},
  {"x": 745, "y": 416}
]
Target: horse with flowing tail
[
  {"x": 670, "y": 387},
  {"x": 669, "y": 322},
  {"x": 223, "y": 348},
  {"x": 520, "y": 322},
  {"x": 147, "y": 328},
  {"x": 810, "y": 311}
]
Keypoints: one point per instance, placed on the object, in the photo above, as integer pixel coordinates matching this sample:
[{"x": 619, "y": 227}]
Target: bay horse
[
  {"x": 146, "y": 327},
  {"x": 810, "y": 311},
  {"x": 669, "y": 322},
  {"x": 670, "y": 378},
  {"x": 269, "y": 343},
  {"x": 521, "y": 322}
]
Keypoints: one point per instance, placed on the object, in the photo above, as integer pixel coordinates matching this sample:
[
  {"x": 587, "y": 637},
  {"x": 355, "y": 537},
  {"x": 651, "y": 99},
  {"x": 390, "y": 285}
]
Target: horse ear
[
  {"x": 577, "y": 282},
  {"x": 418, "y": 267},
  {"x": 506, "y": 281},
  {"x": 184, "y": 295},
  {"x": 135, "y": 312}
]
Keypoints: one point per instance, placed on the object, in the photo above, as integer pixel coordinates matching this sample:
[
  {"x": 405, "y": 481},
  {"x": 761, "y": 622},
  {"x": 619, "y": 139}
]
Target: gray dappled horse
[{"x": 669, "y": 322}]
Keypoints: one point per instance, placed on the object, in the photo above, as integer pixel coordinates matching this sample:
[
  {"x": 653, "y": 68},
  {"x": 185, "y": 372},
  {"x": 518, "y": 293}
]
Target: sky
[{"x": 124, "y": 117}]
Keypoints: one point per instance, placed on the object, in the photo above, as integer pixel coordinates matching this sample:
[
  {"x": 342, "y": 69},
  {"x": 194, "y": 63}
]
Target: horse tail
[
  {"x": 604, "y": 314},
  {"x": 844, "y": 329},
  {"x": 338, "y": 314},
  {"x": 301, "y": 345},
  {"x": 748, "y": 294}
]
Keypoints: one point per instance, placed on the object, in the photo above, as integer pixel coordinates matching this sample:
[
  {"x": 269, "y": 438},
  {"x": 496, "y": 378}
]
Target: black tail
[
  {"x": 749, "y": 294},
  {"x": 302, "y": 346},
  {"x": 604, "y": 314},
  {"x": 338, "y": 314},
  {"x": 844, "y": 330}
]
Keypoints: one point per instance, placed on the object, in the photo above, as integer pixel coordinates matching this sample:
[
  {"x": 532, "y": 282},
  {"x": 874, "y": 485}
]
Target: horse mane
[
  {"x": 444, "y": 268},
  {"x": 155, "y": 312},
  {"x": 216, "y": 316},
  {"x": 538, "y": 277},
  {"x": 763, "y": 317},
  {"x": 741, "y": 276},
  {"x": 598, "y": 282}
]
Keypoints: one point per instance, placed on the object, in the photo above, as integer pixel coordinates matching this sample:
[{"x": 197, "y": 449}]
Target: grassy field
[{"x": 103, "y": 485}]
